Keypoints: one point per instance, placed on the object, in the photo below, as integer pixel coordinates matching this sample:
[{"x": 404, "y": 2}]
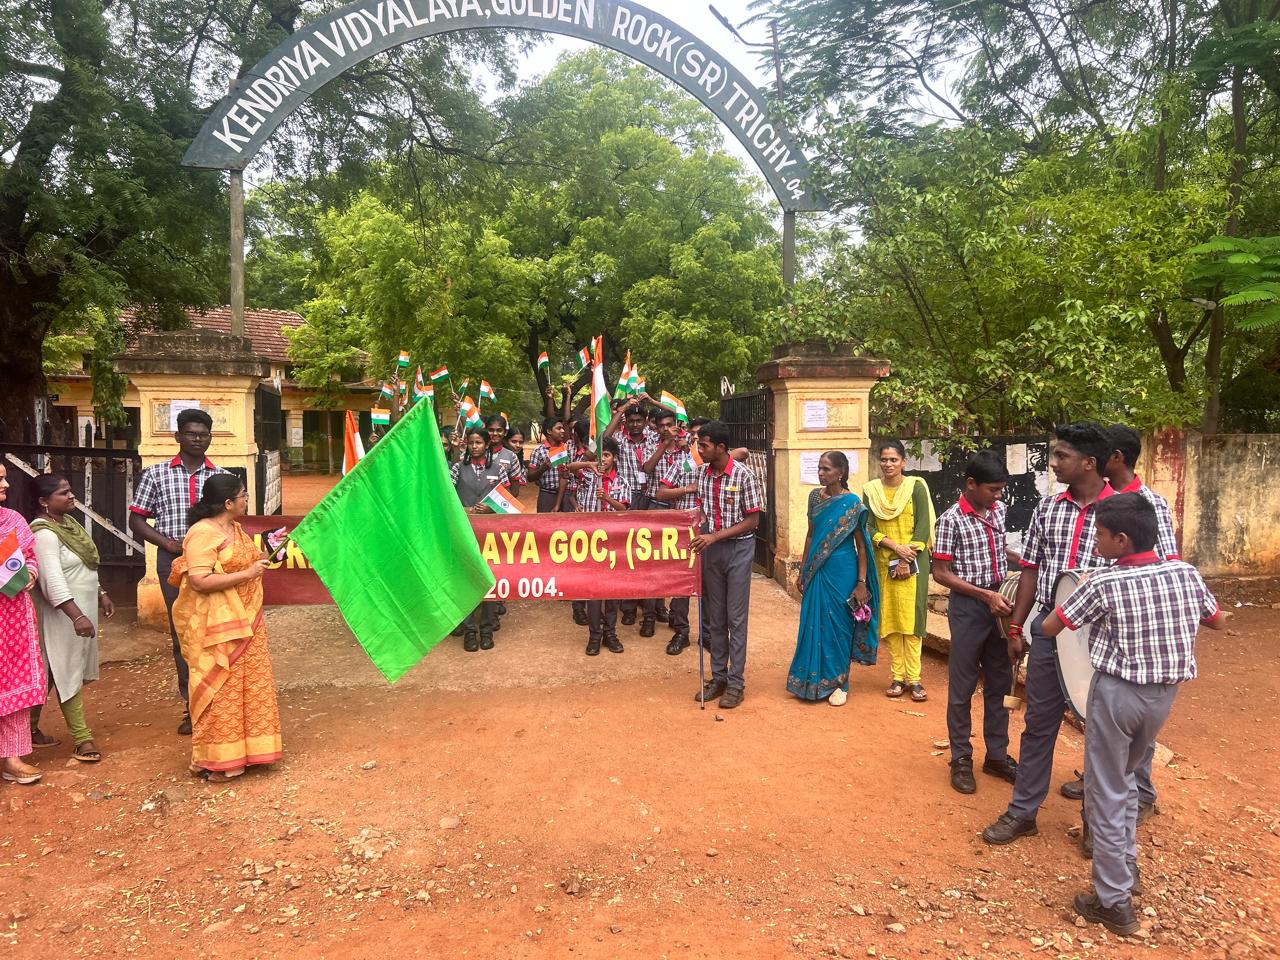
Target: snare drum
[
  {"x": 1075, "y": 669},
  {"x": 1009, "y": 590}
]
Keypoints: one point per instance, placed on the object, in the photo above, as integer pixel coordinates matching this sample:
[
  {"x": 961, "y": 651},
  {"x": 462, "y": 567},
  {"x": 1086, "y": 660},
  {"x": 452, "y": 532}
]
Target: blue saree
[{"x": 829, "y": 639}]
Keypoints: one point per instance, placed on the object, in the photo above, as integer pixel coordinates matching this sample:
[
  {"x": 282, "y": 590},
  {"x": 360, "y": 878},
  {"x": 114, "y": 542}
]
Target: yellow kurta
[{"x": 897, "y": 597}]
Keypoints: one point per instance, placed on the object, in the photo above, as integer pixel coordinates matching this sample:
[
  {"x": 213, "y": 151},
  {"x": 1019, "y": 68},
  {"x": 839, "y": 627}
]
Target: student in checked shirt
[
  {"x": 165, "y": 493},
  {"x": 1121, "y": 473},
  {"x": 969, "y": 557},
  {"x": 552, "y": 481},
  {"x": 1145, "y": 612},
  {"x": 602, "y": 489},
  {"x": 1061, "y": 537},
  {"x": 635, "y": 447},
  {"x": 473, "y": 477},
  {"x": 730, "y": 499}
]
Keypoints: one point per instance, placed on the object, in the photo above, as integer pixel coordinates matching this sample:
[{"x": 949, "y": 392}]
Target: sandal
[
  {"x": 92, "y": 755},
  {"x": 918, "y": 694},
  {"x": 214, "y": 776},
  {"x": 896, "y": 689},
  {"x": 41, "y": 739}
]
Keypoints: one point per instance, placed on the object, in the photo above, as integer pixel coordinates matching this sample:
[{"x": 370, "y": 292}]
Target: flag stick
[{"x": 702, "y": 669}]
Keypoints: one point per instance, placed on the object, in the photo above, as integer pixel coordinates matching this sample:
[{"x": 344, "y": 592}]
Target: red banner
[{"x": 541, "y": 556}]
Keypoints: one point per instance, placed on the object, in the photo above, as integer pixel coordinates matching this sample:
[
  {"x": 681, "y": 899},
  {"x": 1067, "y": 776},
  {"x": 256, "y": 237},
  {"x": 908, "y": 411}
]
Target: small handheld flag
[
  {"x": 558, "y": 456},
  {"x": 352, "y": 445},
  {"x": 470, "y": 414},
  {"x": 441, "y": 374},
  {"x": 403, "y": 362},
  {"x": 385, "y": 392},
  {"x": 544, "y": 362},
  {"x": 380, "y": 416},
  {"x": 419, "y": 387},
  {"x": 486, "y": 392},
  {"x": 621, "y": 389},
  {"x": 500, "y": 500},
  {"x": 675, "y": 405},
  {"x": 14, "y": 573},
  {"x": 600, "y": 415},
  {"x": 584, "y": 357}
]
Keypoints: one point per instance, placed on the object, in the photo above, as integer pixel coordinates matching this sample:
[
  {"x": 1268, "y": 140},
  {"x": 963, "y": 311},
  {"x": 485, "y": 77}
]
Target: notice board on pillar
[{"x": 828, "y": 414}]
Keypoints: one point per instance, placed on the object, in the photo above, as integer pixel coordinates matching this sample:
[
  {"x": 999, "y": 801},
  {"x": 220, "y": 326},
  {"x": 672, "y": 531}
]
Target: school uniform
[
  {"x": 974, "y": 543},
  {"x": 726, "y": 499},
  {"x": 1061, "y": 537},
  {"x": 165, "y": 493},
  {"x": 473, "y": 481},
  {"x": 549, "y": 480},
  {"x": 1145, "y": 613},
  {"x": 678, "y": 471},
  {"x": 593, "y": 487},
  {"x": 576, "y": 453},
  {"x": 632, "y": 456}
]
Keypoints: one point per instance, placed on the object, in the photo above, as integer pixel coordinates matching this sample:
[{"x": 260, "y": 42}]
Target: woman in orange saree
[{"x": 218, "y": 616}]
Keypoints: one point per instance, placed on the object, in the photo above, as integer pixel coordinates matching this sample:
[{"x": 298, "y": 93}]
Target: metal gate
[
  {"x": 267, "y": 435},
  {"x": 748, "y": 417}
]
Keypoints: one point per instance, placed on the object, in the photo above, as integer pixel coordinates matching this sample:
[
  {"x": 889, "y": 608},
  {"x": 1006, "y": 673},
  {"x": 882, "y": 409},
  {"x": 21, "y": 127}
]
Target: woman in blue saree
[{"x": 838, "y": 576}]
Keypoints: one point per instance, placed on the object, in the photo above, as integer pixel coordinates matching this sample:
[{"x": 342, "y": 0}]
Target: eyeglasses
[{"x": 198, "y": 437}]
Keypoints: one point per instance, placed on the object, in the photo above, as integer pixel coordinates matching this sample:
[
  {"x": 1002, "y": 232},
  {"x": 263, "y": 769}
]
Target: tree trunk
[
  {"x": 22, "y": 380},
  {"x": 1235, "y": 189}
]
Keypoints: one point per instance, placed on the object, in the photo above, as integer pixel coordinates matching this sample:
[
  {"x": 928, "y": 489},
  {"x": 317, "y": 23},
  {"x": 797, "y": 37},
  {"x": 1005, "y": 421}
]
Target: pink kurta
[{"x": 22, "y": 674}]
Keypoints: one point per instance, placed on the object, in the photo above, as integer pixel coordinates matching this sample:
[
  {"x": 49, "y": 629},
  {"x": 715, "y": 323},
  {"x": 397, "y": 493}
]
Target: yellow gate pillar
[
  {"x": 193, "y": 368},
  {"x": 820, "y": 401}
]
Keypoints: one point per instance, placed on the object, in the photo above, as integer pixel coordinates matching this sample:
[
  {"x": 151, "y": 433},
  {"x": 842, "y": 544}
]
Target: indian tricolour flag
[
  {"x": 380, "y": 416},
  {"x": 600, "y": 415},
  {"x": 14, "y": 574},
  {"x": 624, "y": 377},
  {"x": 544, "y": 362},
  {"x": 385, "y": 392},
  {"x": 486, "y": 392},
  {"x": 441, "y": 374},
  {"x": 584, "y": 357},
  {"x": 500, "y": 500},
  {"x": 470, "y": 414},
  {"x": 558, "y": 456},
  {"x": 403, "y": 361},
  {"x": 420, "y": 391},
  {"x": 675, "y": 405}
]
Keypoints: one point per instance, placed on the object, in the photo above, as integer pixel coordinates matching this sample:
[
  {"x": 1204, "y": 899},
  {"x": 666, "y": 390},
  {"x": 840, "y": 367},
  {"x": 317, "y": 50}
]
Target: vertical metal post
[
  {"x": 788, "y": 247},
  {"x": 237, "y": 253}
]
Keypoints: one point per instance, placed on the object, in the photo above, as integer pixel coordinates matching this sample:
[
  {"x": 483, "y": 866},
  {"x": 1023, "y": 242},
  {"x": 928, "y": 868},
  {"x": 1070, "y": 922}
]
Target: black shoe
[
  {"x": 580, "y": 617},
  {"x": 502, "y": 609},
  {"x": 458, "y": 631},
  {"x": 679, "y": 643},
  {"x": 962, "y": 776},
  {"x": 628, "y": 618},
  {"x": 497, "y": 624},
  {"x": 471, "y": 644},
  {"x": 1146, "y": 811},
  {"x": 1008, "y": 829},
  {"x": 732, "y": 698},
  {"x": 648, "y": 628},
  {"x": 593, "y": 647},
  {"x": 1006, "y": 769},
  {"x": 184, "y": 728},
  {"x": 486, "y": 641},
  {"x": 660, "y": 614},
  {"x": 613, "y": 644},
  {"x": 711, "y": 690},
  {"x": 1086, "y": 841},
  {"x": 1119, "y": 919},
  {"x": 1073, "y": 789}
]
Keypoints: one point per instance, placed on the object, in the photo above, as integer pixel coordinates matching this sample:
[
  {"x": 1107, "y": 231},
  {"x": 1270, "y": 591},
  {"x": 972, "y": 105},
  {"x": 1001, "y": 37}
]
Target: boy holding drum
[{"x": 1146, "y": 612}]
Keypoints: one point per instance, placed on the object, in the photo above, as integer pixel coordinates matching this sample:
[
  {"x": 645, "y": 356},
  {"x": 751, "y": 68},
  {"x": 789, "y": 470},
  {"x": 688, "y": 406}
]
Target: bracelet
[{"x": 81, "y": 617}]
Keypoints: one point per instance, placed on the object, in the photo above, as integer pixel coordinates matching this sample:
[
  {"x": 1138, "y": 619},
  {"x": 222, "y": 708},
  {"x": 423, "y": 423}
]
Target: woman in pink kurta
[{"x": 22, "y": 679}]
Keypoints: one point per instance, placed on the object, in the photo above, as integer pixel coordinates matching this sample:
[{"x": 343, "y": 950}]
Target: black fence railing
[{"x": 747, "y": 417}]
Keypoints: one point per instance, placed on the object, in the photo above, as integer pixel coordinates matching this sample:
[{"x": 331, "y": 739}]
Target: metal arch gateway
[{"x": 245, "y": 119}]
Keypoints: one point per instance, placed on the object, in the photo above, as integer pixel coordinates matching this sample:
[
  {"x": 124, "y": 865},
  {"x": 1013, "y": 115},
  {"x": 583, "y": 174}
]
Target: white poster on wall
[
  {"x": 295, "y": 436},
  {"x": 176, "y": 407},
  {"x": 815, "y": 415},
  {"x": 809, "y": 465}
]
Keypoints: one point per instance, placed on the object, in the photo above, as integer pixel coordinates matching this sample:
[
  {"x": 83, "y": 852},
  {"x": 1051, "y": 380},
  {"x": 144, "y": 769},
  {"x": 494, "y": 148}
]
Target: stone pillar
[
  {"x": 214, "y": 371},
  {"x": 293, "y": 436},
  {"x": 820, "y": 402}
]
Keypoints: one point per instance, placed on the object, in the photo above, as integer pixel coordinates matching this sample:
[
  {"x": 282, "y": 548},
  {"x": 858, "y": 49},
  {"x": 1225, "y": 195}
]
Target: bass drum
[{"x": 1075, "y": 669}]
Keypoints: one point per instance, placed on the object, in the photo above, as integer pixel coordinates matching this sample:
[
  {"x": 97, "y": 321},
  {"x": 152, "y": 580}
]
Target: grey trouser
[
  {"x": 602, "y": 619},
  {"x": 726, "y": 595},
  {"x": 481, "y": 619},
  {"x": 1045, "y": 704},
  {"x": 1124, "y": 719},
  {"x": 164, "y": 563},
  {"x": 977, "y": 649}
]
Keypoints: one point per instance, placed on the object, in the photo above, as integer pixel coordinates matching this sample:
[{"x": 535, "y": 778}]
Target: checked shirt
[
  {"x": 726, "y": 498},
  {"x": 1166, "y": 542},
  {"x": 974, "y": 543},
  {"x": 166, "y": 491},
  {"x": 592, "y": 485},
  {"x": 1146, "y": 612},
  {"x": 1061, "y": 537}
]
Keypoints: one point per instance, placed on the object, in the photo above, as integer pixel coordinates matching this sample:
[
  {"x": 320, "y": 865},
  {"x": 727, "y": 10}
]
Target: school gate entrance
[{"x": 747, "y": 415}]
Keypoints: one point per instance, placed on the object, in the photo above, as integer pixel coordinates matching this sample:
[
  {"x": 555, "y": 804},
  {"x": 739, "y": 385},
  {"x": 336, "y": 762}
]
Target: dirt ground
[{"x": 531, "y": 802}]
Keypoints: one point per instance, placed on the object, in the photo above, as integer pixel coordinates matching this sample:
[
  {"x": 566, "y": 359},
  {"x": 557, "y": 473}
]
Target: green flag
[{"x": 393, "y": 544}]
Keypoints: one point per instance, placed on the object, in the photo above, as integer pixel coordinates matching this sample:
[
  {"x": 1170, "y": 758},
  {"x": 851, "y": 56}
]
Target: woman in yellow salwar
[
  {"x": 902, "y": 532},
  {"x": 218, "y": 616}
]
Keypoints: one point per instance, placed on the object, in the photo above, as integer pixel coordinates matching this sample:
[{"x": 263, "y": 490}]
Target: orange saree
[{"x": 234, "y": 716}]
